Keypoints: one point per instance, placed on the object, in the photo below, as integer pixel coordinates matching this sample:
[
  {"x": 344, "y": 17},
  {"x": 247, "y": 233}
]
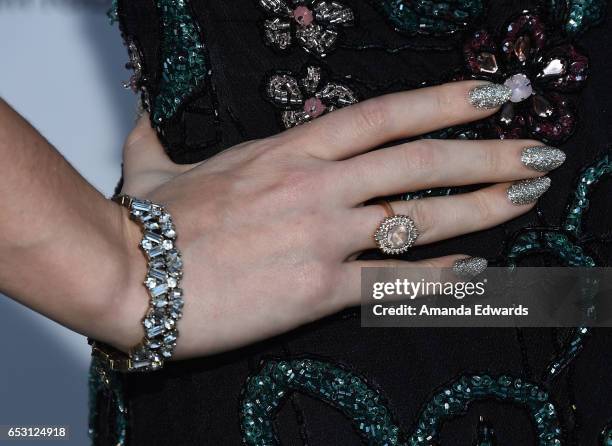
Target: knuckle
[
  {"x": 445, "y": 99},
  {"x": 297, "y": 180},
  {"x": 316, "y": 281},
  {"x": 421, "y": 155},
  {"x": 429, "y": 264},
  {"x": 372, "y": 115},
  {"x": 491, "y": 160},
  {"x": 482, "y": 206}
]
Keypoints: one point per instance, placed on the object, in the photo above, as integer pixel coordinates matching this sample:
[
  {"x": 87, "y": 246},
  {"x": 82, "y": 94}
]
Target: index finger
[{"x": 357, "y": 128}]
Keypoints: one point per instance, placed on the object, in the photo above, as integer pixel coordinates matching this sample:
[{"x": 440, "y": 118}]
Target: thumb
[
  {"x": 143, "y": 151},
  {"x": 146, "y": 165}
]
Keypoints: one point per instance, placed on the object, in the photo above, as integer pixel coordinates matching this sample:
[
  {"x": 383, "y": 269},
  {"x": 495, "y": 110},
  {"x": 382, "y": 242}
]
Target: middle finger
[{"x": 430, "y": 163}]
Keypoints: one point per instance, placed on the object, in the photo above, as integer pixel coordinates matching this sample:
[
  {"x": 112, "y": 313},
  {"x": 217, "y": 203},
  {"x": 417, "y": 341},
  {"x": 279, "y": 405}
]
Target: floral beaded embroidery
[
  {"x": 138, "y": 81},
  {"x": 307, "y": 98},
  {"x": 313, "y": 24},
  {"x": 539, "y": 74},
  {"x": 266, "y": 391}
]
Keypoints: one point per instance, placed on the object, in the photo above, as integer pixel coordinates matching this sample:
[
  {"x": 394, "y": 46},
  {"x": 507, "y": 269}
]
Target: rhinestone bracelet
[{"x": 165, "y": 269}]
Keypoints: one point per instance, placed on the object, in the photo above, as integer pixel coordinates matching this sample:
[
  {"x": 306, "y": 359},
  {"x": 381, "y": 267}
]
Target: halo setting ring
[{"x": 396, "y": 234}]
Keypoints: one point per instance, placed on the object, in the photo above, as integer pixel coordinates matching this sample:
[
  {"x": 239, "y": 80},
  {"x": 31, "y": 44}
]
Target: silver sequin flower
[
  {"x": 307, "y": 98},
  {"x": 312, "y": 24}
]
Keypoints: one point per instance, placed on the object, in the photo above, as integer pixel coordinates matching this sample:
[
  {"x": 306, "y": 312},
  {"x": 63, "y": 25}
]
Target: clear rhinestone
[
  {"x": 170, "y": 232},
  {"x": 167, "y": 245},
  {"x": 150, "y": 282},
  {"x": 156, "y": 210},
  {"x": 141, "y": 364},
  {"x": 158, "y": 274},
  {"x": 152, "y": 225},
  {"x": 487, "y": 63},
  {"x": 153, "y": 343},
  {"x": 160, "y": 302},
  {"x": 159, "y": 290},
  {"x": 156, "y": 251},
  {"x": 169, "y": 323},
  {"x": 155, "y": 330},
  {"x": 170, "y": 337},
  {"x": 177, "y": 304},
  {"x": 166, "y": 351},
  {"x": 146, "y": 244},
  {"x": 153, "y": 237},
  {"x": 141, "y": 205},
  {"x": 555, "y": 67}
]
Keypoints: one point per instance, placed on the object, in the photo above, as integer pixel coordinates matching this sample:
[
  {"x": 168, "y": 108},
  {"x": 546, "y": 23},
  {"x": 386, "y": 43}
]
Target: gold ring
[{"x": 396, "y": 233}]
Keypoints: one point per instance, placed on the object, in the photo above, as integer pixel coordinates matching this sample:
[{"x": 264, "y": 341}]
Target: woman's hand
[{"x": 268, "y": 228}]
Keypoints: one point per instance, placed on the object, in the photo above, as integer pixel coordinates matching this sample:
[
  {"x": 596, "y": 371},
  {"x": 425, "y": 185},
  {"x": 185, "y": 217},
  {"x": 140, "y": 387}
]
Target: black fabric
[{"x": 197, "y": 401}]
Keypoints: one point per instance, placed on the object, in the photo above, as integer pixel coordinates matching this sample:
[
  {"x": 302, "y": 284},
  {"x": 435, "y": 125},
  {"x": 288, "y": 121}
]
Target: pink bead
[
  {"x": 521, "y": 87},
  {"x": 314, "y": 107},
  {"x": 303, "y": 16}
]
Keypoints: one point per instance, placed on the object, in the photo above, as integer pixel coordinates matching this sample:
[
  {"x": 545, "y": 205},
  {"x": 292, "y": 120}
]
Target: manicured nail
[
  {"x": 489, "y": 96},
  {"x": 527, "y": 191},
  {"x": 470, "y": 267},
  {"x": 542, "y": 158}
]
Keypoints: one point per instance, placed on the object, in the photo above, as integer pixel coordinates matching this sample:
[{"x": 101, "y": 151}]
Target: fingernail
[
  {"x": 489, "y": 95},
  {"x": 527, "y": 191},
  {"x": 470, "y": 267},
  {"x": 542, "y": 158}
]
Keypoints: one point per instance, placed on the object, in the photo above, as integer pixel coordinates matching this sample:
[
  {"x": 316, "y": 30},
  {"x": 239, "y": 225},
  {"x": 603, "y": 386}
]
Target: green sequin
[
  {"x": 580, "y": 201},
  {"x": 112, "y": 12},
  {"x": 606, "y": 436},
  {"x": 183, "y": 59},
  {"x": 431, "y": 17},
  {"x": 576, "y": 16},
  {"x": 266, "y": 391}
]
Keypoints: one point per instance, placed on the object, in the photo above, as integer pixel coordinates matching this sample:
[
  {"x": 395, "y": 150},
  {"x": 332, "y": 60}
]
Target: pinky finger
[{"x": 460, "y": 267}]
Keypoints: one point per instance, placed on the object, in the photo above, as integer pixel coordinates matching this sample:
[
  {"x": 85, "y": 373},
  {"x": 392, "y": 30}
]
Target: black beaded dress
[{"x": 215, "y": 73}]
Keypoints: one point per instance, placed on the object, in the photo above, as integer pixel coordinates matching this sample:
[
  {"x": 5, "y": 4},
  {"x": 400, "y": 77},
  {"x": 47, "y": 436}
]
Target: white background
[{"x": 61, "y": 66}]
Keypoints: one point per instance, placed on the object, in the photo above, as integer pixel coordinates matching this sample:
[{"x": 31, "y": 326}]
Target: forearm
[{"x": 62, "y": 244}]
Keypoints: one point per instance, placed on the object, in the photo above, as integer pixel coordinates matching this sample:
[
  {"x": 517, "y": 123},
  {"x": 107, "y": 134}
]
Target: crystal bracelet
[{"x": 165, "y": 269}]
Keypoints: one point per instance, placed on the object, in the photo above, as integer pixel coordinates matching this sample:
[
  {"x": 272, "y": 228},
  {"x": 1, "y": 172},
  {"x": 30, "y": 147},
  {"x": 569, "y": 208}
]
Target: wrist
[
  {"x": 148, "y": 347},
  {"x": 128, "y": 302}
]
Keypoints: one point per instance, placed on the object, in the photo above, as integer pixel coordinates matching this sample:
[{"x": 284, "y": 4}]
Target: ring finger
[{"x": 440, "y": 218}]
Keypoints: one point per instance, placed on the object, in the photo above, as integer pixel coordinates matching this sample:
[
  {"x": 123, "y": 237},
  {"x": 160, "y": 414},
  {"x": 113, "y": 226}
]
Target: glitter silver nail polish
[
  {"x": 489, "y": 95},
  {"x": 527, "y": 191},
  {"x": 542, "y": 158},
  {"x": 470, "y": 267}
]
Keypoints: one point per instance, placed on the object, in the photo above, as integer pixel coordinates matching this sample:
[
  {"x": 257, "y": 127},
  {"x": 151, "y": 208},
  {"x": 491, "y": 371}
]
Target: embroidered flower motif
[
  {"x": 137, "y": 82},
  {"x": 312, "y": 23},
  {"x": 539, "y": 74},
  {"x": 307, "y": 98}
]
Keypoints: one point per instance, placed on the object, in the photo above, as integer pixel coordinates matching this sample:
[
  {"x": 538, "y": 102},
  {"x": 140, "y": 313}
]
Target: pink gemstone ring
[{"x": 396, "y": 233}]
